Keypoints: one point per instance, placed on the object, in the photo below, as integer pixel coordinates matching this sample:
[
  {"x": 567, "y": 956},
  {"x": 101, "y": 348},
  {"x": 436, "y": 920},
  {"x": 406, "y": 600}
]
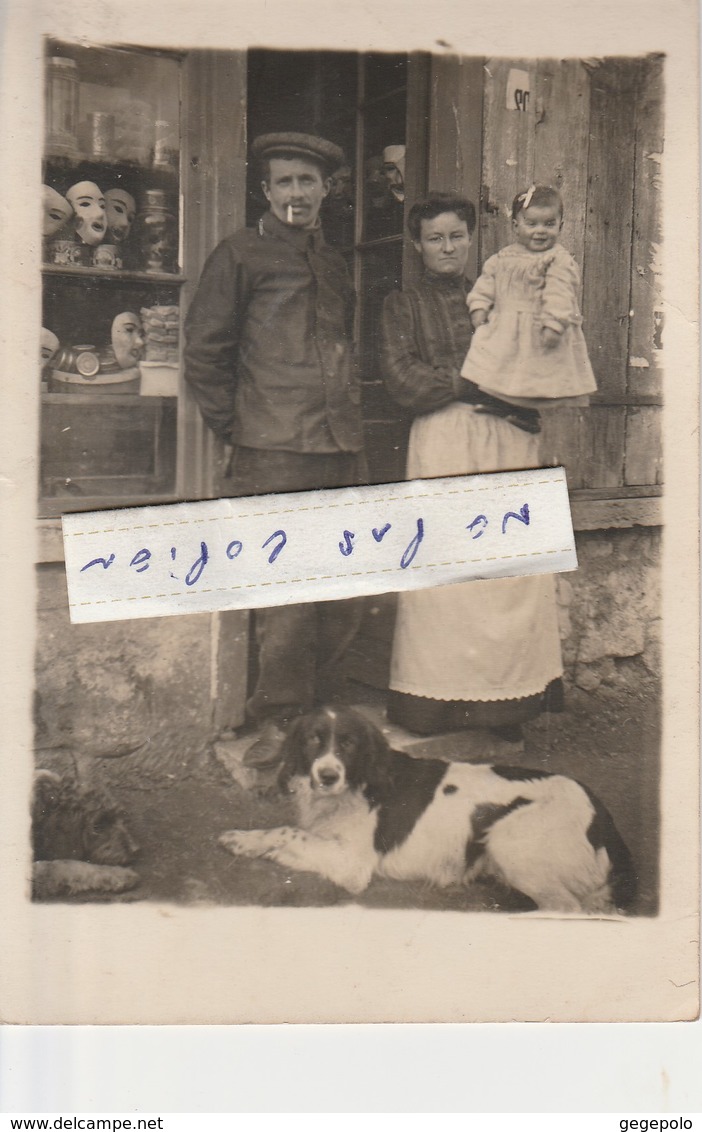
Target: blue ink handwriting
[
  {"x": 104, "y": 562},
  {"x": 144, "y": 558},
  {"x": 193, "y": 574},
  {"x": 346, "y": 547},
  {"x": 522, "y": 517},
  {"x": 478, "y": 519},
  {"x": 409, "y": 555},
  {"x": 379, "y": 535},
  {"x": 141, "y": 560},
  {"x": 276, "y": 551}
]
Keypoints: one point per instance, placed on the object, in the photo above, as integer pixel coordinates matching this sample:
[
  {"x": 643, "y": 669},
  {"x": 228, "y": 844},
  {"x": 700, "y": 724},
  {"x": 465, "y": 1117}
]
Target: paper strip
[{"x": 265, "y": 550}]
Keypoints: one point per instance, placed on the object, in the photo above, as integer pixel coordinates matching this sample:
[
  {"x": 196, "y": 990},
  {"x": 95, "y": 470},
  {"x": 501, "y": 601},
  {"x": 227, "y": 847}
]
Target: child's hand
[
  {"x": 478, "y": 318},
  {"x": 549, "y": 337}
]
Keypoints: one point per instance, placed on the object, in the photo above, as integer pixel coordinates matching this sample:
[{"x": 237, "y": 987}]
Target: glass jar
[
  {"x": 157, "y": 234},
  {"x": 62, "y": 107}
]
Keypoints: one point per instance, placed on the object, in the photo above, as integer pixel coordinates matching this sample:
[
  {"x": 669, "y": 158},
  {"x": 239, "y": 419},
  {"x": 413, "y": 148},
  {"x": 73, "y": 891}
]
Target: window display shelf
[
  {"x": 55, "y": 506},
  {"x": 114, "y": 276},
  {"x": 85, "y": 167}
]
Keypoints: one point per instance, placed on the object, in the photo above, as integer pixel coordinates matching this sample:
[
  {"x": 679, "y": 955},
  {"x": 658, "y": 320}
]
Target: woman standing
[{"x": 483, "y": 653}]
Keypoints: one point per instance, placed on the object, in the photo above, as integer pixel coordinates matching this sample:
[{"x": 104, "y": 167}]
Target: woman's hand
[
  {"x": 478, "y": 318},
  {"x": 549, "y": 337}
]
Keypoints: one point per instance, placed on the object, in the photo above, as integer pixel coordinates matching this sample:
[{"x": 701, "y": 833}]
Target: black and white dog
[{"x": 364, "y": 810}]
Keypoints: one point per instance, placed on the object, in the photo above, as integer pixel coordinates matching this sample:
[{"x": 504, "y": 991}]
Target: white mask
[
  {"x": 56, "y": 211},
  {"x": 48, "y": 345},
  {"x": 394, "y": 169},
  {"x": 120, "y": 208},
  {"x": 89, "y": 206},
  {"x": 127, "y": 339}
]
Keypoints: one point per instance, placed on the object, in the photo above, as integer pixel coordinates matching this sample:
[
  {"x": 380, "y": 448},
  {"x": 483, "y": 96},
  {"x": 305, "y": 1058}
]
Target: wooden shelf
[
  {"x": 74, "y": 399},
  {"x": 630, "y": 491},
  {"x": 624, "y": 512},
  {"x": 52, "y": 507},
  {"x": 86, "y": 167},
  {"x": 103, "y": 275}
]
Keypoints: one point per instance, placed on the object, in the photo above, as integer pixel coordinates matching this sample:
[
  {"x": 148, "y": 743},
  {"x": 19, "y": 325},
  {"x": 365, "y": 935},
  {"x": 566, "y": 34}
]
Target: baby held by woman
[{"x": 528, "y": 346}]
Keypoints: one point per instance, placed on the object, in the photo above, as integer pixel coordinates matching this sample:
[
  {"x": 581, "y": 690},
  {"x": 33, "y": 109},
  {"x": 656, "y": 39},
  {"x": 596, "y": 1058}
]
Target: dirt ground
[{"x": 608, "y": 739}]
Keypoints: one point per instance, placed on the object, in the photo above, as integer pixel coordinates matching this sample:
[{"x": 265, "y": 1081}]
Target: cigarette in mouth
[{"x": 289, "y": 214}]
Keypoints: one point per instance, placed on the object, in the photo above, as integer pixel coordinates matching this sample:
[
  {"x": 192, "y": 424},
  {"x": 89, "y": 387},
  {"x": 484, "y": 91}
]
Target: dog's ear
[
  {"x": 291, "y": 754},
  {"x": 378, "y": 745},
  {"x": 376, "y": 754}
]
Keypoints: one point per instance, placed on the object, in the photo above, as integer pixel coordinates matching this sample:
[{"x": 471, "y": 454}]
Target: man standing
[{"x": 269, "y": 360}]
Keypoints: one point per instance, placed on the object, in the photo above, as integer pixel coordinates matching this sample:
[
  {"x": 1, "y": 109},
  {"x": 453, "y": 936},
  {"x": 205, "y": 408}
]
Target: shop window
[{"x": 110, "y": 344}]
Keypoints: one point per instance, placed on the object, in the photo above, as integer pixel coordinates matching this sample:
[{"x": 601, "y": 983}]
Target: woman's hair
[
  {"x": 543, "y": 196},
  {"x": 435, "y": 205}
]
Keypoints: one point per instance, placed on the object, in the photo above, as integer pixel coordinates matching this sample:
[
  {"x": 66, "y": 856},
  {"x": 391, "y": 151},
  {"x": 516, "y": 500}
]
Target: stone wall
[
  {"x": 113, "y": 686},
  {"x": 609, "y": 609}
]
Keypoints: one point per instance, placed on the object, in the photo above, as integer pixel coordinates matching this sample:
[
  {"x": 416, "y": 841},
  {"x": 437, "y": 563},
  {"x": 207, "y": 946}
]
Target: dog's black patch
[
  {"x": 482, "y": 819},
  {"x": 520, "y": 773},
  {"x": 602, "y": 832},
  {"x": 450, "y": 789},
  {"x": 402, "y": 794}
]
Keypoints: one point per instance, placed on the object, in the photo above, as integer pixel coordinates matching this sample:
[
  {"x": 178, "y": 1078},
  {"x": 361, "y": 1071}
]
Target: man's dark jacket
[{"x": 268, "y": 342}]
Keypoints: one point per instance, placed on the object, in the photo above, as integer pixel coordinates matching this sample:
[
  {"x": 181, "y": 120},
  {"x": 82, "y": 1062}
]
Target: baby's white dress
[{"x": 523, "y": 291}]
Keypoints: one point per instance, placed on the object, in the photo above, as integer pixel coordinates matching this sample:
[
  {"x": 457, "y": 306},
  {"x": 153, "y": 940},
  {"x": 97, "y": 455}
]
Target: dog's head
[
  {"x": 79, "y": 823},
  {"x": 335, "y": 749}
]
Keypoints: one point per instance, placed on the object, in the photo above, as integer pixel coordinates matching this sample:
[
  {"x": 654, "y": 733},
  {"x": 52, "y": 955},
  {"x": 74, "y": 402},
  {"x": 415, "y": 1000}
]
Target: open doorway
[{"x": 376, "y": 108}]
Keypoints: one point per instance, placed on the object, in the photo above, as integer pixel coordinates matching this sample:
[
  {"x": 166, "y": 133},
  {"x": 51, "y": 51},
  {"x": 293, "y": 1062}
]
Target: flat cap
[{"x": 299, "y": 145}]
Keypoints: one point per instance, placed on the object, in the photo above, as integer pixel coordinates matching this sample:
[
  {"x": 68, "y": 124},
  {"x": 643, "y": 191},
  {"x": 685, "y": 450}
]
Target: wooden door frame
[
  {"x": 455, "y": 134},
  {"x": 213, "y": 184}
]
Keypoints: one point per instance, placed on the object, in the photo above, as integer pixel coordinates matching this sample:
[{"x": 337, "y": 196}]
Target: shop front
[{"x": 162, "y": 138}]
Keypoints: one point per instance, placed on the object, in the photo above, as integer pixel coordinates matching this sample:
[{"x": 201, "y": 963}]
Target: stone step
[{"x": 230, "y": 754}]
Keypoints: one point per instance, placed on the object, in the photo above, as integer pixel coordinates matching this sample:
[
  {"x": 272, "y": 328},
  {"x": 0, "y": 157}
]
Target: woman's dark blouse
[{"x": 426, "y": 332}]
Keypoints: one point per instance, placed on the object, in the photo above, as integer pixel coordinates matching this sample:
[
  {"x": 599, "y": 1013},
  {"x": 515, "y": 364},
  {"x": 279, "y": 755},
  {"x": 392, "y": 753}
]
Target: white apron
[{"x": 484, "y": 640}]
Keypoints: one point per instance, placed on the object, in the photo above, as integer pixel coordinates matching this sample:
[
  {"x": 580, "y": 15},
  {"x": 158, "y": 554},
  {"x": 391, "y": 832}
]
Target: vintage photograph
[
  {"x": 273, "y": 270},
  {"x": 270, "y": 253}
]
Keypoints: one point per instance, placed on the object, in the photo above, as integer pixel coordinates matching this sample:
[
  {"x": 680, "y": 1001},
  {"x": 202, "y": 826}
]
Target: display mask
[
  {"x": 89, "y": 206},
  {"x": 56, "y": 211},
  {"x": 120, "y": 208},
  {"x": 394, "y": 169},
  {"x": 127, "y": 339},
  {"x": 48, "y": 345},
  {"x": 342, "y": 184},
  {"x": 377, "y": 188}
]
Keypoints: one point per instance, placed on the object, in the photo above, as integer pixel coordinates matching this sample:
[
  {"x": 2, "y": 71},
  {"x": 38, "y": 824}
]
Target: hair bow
[{"x": 526, "y": 197}]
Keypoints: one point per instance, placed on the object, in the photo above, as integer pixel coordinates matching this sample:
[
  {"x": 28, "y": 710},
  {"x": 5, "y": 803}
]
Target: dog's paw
[{"x": 246, "y": 842}]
